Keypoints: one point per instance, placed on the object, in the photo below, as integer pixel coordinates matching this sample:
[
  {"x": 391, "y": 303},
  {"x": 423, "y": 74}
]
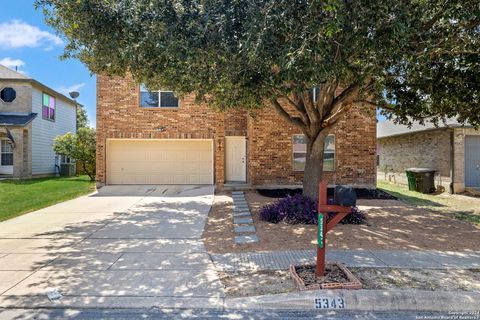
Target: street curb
[
  {"x": 365, "y": 300},
  {"x": 355, "y": 300},
  {"x": 109, "y": 302}
]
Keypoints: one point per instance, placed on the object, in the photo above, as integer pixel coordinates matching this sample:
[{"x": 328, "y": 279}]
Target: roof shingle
[{"x": 16, "y": 120}]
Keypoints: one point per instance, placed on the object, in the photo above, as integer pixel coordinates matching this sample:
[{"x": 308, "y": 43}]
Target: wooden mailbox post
[{"x": 324, "y": 208}]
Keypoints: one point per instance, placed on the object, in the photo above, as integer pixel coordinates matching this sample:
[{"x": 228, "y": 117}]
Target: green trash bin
[
  {"x": 421, "y": 179},
  {"x": 412, "y": 183}
]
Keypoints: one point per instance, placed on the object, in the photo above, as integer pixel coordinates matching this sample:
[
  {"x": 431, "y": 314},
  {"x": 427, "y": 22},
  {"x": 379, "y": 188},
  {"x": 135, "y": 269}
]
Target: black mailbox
[{"x": 345, "y": 196}]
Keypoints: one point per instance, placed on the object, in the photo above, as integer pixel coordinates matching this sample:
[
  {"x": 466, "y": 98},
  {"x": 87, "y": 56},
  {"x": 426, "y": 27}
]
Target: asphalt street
[{"x": 129, "y": 314}]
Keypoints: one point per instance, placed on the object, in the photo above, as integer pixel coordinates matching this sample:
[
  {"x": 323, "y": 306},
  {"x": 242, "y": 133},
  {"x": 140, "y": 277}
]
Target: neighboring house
[
  {"x": 452, "y": 150},
  {"x": 155, "y": 138},
  {"x": 32, "y": 115}
]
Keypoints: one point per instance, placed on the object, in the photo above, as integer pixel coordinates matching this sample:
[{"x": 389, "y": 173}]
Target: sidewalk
[
  {"x": 356, "y": 300},
  {"x": 122, "y": 247},
  {"x": 274, "y": 260}
]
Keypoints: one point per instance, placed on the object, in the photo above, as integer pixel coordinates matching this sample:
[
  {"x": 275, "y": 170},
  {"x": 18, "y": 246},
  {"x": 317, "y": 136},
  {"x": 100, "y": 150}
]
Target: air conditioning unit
[{"x": 67, "y": 169}]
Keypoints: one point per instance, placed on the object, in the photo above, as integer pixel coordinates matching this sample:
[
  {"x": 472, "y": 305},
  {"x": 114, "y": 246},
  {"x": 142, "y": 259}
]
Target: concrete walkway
[
  {"x": 242, "y": 220},
  {"x": 137, "y": 246},
  {"x": 274, "y": 260}
]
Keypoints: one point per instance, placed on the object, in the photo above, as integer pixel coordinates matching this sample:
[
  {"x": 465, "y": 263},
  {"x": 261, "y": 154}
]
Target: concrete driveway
[{"x": 122, "y": 247}]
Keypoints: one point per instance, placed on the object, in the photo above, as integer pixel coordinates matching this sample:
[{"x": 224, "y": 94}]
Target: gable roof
[
  {"x": 7, "y": 73},
  {"x": 389, "y": 129},
  {"x": 11, "y": 75}
]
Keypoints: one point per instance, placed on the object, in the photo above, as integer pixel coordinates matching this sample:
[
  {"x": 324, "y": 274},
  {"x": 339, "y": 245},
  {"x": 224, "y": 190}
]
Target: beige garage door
[{"x": 159, "y": 162}]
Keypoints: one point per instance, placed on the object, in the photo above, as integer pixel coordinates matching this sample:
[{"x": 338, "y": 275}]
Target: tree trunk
[
  {"x": 89, "y": 174},
  {"x": 314, "y": 166}
]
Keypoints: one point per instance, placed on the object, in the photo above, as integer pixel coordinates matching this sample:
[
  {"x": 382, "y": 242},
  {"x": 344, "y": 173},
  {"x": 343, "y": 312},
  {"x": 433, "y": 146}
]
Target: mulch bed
[
  {"x": 391, "y": 225},
  {"x": 362, "y": 193}
]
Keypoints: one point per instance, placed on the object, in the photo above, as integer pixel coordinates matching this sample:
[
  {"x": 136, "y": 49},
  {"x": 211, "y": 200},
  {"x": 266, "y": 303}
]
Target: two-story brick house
[
  {"x": 31, "y": 116},
  {"x": 155, "y": 138}
]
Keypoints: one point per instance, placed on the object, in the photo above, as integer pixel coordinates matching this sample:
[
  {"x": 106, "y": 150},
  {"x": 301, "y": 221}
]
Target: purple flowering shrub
[
  {"x": 299, "y": 209},
  {"x": 292, "y": 209},
  {"x": 354, "y": 217}
]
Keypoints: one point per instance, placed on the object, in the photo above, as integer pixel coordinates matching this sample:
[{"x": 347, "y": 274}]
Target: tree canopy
[{"x": 416, "y": 59}]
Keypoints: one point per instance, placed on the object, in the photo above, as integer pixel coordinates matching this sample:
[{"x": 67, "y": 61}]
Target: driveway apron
[{"x": 125, "y": 246}]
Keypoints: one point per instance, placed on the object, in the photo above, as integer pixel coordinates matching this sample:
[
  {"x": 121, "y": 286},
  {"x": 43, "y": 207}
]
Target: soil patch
[
  {"x": 421, "y": 279},
  {"x": 337, "y": 276},
  {"x": 332, "y": 274},
  {"x": 391, "y": 224},
  {"x": 244, "y": 284},
  {"x": 274, "y": 282}
]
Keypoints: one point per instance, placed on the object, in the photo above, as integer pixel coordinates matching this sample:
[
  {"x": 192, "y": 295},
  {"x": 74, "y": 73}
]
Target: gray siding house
[
  {"x": 31, "y": 116},
  {"x": 452, "y": 149}
]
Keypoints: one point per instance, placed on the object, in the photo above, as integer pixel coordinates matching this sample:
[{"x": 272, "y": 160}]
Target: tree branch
[
  {"x": 333, "y": 118},
  {"x": 311, "y": 110},
  {"x": 367, "y": 102},
  {"x": 301, "y": 109},
  {"x": 293, "y": 120},
  {"x": 430, "y": 23},
  {"x": 340, "y": 104},
  {"x": 347, "y": 94},
  {"x": 327, "y": 97}
]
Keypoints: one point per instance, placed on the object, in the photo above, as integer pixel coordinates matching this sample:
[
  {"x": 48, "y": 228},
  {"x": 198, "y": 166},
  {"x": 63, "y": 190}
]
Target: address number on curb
[{"x": 329, "y": 303}]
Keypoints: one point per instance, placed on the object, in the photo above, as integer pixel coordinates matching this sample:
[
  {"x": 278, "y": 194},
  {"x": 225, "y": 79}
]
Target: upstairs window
[
  {"x": 157, "y": 99},
  {"x": 48, "y": 107},
  {"x": 315, "y": 94},
  {"x": 300, "y": 153}
]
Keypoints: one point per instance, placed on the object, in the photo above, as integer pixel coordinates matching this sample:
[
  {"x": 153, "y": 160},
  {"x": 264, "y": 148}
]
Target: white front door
[{"x": 236, "y": 159}]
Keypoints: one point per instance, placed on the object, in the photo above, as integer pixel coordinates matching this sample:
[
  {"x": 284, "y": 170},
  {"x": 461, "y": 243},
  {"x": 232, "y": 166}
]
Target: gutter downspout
[{"x": 452, "y": 159}]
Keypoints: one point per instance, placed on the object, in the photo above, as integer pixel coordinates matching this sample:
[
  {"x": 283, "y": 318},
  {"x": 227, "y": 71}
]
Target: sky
[{"x": 28, "y": 43}]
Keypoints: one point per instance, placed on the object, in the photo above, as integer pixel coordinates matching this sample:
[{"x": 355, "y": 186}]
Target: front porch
[{"x": 15, "y": 151}]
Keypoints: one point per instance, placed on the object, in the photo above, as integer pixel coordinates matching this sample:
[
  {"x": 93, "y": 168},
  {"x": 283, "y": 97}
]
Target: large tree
[{"x": 415, "y": 59}]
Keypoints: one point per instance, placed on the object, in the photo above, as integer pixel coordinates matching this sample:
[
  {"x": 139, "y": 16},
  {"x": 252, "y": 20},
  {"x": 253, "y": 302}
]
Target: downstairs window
[
  {"x": 300, "y": 153},
  {"x": 6, "y": 153}
]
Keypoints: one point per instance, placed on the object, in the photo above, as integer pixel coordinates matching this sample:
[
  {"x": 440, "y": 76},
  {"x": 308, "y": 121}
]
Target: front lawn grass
[
  {"x": 414, "y": 198},
  {"x": 460, "y": 207},
  {"x": 21, "y": 196}
]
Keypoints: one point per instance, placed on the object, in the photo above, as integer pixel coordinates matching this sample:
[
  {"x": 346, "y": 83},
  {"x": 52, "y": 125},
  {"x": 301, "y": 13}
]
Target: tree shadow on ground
[{"x": 414, "y": 200}]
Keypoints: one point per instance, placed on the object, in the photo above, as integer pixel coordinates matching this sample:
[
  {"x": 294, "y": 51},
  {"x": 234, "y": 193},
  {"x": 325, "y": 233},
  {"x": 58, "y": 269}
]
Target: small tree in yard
[
  {"x": 80, "y": 146},
  {"x": 414, "y": 59}
]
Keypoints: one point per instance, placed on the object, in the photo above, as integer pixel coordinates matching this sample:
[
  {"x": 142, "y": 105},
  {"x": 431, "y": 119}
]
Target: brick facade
[
  {"x": 426, "y": 149},
  {"x": 271, "y": 156},
  {"x": 269, "y": 138}
]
